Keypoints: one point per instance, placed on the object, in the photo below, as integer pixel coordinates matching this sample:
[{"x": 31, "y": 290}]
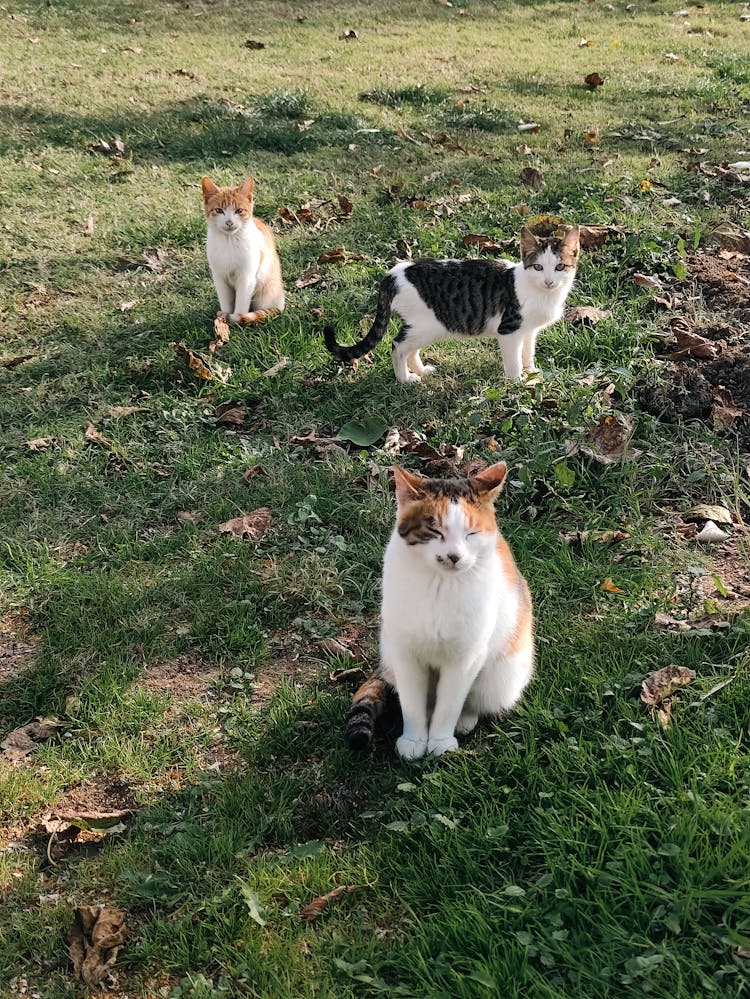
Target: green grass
[{"x": 574, "y": 849}]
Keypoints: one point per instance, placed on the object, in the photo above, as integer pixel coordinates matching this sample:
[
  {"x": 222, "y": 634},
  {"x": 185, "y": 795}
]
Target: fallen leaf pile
[
  {"x": 442, "y": 460},
  {"x": 318, "y": 212},
  {"x": 657, "y": 690},
  {"x": 96, "y": 938}
]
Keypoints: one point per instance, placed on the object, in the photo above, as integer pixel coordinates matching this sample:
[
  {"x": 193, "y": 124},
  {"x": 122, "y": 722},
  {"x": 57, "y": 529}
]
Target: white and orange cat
[
  {"x": 457, "y": 631},
  {"x": 242, "y": 255}
]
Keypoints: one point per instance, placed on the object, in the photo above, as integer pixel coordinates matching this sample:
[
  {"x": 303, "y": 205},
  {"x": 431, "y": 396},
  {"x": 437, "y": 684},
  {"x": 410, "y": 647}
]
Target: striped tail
[
  {"x": 368, "y": 705},
  {"x": 386, "y": 295}
]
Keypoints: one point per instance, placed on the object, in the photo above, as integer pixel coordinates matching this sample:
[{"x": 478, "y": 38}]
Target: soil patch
[
  {"x": 714, "y": 303},
  {"x": 184, "y": 678}
]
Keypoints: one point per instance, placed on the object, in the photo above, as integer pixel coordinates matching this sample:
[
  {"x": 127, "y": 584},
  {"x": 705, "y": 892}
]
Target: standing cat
[
  {"x": 241, "y": 254},
  {"x": 439, "y": 299},
  {"x": 456, "y": 638}
]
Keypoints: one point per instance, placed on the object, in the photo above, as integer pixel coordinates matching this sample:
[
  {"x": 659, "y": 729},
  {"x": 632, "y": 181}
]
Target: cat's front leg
[
  {"x": 453, "y": 688},
  {"x": 225, "y": 293},
  {"x": 243, "y": 296},
  {"x": 511, "y": 349},
  {"x": 412, "y": 683},
  {"x": 528, "y": 350}
]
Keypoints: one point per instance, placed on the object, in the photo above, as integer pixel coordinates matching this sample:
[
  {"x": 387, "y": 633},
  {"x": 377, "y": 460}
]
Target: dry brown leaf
[
  {"x": 607, "y": 439},
  {"x": 96, "y": 937},
  {"x": 662, "y": 684},
  {"x": 334, "y": 647},
  {"x": 88, "y": 226},
  {"x": 609, "y": 586},
  {"x": 732, "y": 237},
  {"x": 333, "y": 256},
  {"x": 40, "y": 443},
  {"x": 13, "y": 362},
  {"x": 221, "y": 333},
  {"x": 600, "y": 537},
  {"x": 586, "y": 314},
  {"x": 230, "y": 414},
  {"x": 353, "y": 675},
  {"x": 188, "y": 516},
  {"x": 646, "y": 281},
  {"x": 251, "y": 526},
  {"x": 117, "y": 412},
  {"x": 276, "y": 368},
  {"x": 310, "y": 276},
  {"x": 252, "y": 44},
  {"x": 724, "y": 412},
  {"x": 22, "y": 741},
  {"x": 312, "y": 910},
  {"x": 532, "y": 178},
  {"x": 345, "y": 205},
  {"x": 115, "y": 147},
  {"x": 709, "y": 511},
  {"x": 251, "y": 472},
  {"x": 350, "y": 35},
  {"x": 593, "y": 80},
  {"x": 303, "y": 215},
  {"x": 593, "y": 236},
  {"x": 125, "y": 306},
  {"x": 201, "y": 365},
  {"x": 95, "y": 436},
  {"x": 152, "y": 259},
  {"x": 691, "y": 344},
  {"x": 444, "y": 458},
  {"x": 483, "y": 243}
]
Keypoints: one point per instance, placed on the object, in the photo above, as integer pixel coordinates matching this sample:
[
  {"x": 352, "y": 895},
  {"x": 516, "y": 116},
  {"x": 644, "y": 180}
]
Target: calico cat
[
  {"x": 241, "y": 254},
  {"x": 439, "y": 299},
  {"x": 457, "y": 629}
]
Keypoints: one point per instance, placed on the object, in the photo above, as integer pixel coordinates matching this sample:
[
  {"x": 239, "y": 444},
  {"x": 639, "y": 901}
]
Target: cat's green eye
[{"x": 560, "y": 267}]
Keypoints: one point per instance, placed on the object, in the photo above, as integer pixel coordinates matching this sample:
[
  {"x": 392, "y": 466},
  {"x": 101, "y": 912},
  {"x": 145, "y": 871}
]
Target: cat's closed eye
[{"x": 471, "y": 534}]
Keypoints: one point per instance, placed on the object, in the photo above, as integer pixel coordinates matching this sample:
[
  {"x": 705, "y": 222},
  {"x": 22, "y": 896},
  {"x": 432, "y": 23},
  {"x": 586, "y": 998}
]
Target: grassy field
[{"x": 577, "y": 848}]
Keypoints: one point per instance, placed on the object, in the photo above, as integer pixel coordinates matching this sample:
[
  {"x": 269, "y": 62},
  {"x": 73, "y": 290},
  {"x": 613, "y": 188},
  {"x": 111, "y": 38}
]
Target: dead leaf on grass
[
  {"x": 250, "y": 473},
  {"x": 189, "y": 516},
  {"x": 152, "y": 259},
  {"x": 230, "y": 414},
  {"x": 22, "y": 741},
  {"x": 95, "y": 436},
  {"x": 609, "y": 586},
  {"x": 40, "y": 443},
  {"x": 593, "y": 80},
  {"x": 88, "y": 226},
  {"x": 444, "y": 458},
  {"x": 532, "y": 178},
  {"x": 646, "y": 281},
  {"x": 336, "y": 255},
  {"x": 96, "y": 937},
  {"x": 731, "y": 236},
  {"x": 657, "y": 690},
  {"x": 117, "y": 412},
  {"x": 599, "y": 537},
  {"x": 276, "y": 368},
  {"x": 221, "y": 333},
  {"x": 691, "y": 344},
  {"x": 345, "y": 206},
  {"x": 483, "y": 243},
  {"x": 593, "y": 236},
  {"x": 256, "y": 46},
  {"x": 350, "y": 35},
  {"x": 200, "y": 365},
  {"x": 528, "y": 126},
  {"x": 708, "y": 511},
  {"x": 13, "y": 362},
  {"x": 354, "y": 675},
  {"x": 310, "y": 276},
  {"x": 607, "y": 439},
  {"x": 250, "y": 526},
  {"x": 317, "y": 907},
  {"x": 586, "y": 314},
  {"x": 334, "y": 647}
]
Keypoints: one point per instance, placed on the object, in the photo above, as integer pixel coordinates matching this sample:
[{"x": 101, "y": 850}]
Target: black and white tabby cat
[{"x": 440, "y": 299}]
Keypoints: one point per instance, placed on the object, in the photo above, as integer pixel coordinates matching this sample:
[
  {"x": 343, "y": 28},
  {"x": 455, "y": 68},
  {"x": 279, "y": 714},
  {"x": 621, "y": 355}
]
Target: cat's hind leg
[
  {"x": 401, "y": 351},
  {"x": 511, "y": 351},
  {"x": 414, "y": 362}
]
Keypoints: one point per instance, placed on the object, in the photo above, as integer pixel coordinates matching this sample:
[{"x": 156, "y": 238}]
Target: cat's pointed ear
[
  {"x": 408, "y": 485},
  {"x": 246, "y": 188},
  {"x": 529, "y": 242},
  {"x": 209, "y": 188},
  {"x": 572, "y": 241},
  {"x": 490, "y": 481}
]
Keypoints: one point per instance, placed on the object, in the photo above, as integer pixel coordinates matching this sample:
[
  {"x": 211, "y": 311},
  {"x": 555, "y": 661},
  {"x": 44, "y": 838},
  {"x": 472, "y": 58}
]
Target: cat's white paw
[
  {"x": 466, "y": 723},
  {"x": 411, "y": 749},
  {"x": 439, "y": 746},
  {"x": 410, "y": 377},
  {"x": 235, "y": 317},
  {"x": 427, "y": 369}
]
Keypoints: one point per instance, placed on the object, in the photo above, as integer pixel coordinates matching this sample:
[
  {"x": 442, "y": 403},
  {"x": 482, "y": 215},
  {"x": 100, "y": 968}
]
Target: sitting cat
[
  {"x": 439, "y": 299},
  {"x": 241, "y": 254},
  {"x": 456, "y": 639}
]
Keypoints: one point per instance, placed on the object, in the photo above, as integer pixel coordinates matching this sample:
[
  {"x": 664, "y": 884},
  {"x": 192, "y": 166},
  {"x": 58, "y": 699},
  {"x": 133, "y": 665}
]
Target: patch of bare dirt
[
  {"x": 184, "y": 678},
  {"x": 102, "y": 794},
  {"x": 711, "y": 381},
  {"x": 17, "y": 650}
]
